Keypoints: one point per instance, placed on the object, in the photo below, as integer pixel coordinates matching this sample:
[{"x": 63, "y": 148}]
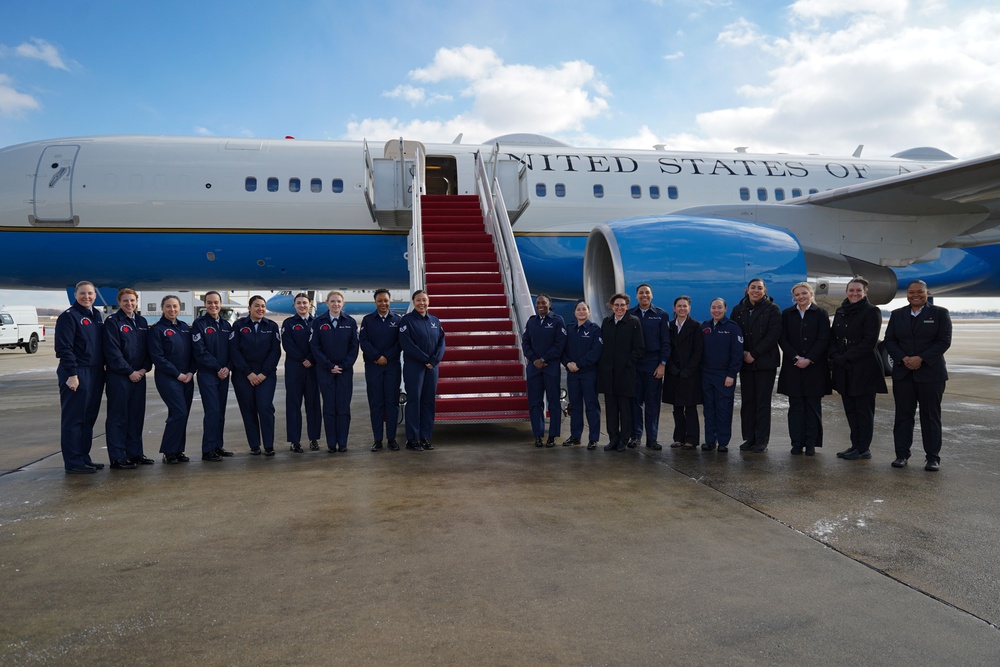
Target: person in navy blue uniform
[
  {"x": 721, "y": 359},
  {"x": 422, "y": 339},
  {"x": 542, "y": 342},
  {"x": 79, "y": 346},
  {"x": 173, "y": 357},
  {"x": 759, "y": 318},
  {"x": 857, "y": 366},
  {"x": 650, "y": 369},
  {"x": 210, "y": 341},
  {"x": 580, "y": 357},
  {"x": 254, "y": 351},
  {"x": 805, "y": 375},
  {"x": 916, "y": 339},
  {"x": 334, "y": 343},
  {"x": 379, "y": 340},
  {"x": 301, "y": 383},
  {"x": 127, "y": 360},
  {"x": 682, "y": 383},
  {"x": 623, "y": 348}
]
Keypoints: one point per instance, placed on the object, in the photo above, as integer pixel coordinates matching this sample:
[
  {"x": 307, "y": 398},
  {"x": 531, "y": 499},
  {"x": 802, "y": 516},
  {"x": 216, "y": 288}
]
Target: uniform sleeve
[
  {"x": 270, "y": 365},
  {"x": 942, "y": 340},
  {"x": 438, "y": 353},
  {"x": 529, "y": 352},
  {"x": 664, "y": 338},
  {"x": 770, "y": 336},
  {"x": 735, "y": 350},
  {"x": 322, "y": 361},
  {"x": 63, "y": 345},
  {"x": 558, "y": 341},
  {"x": 114, "y": 359},
  {"x": 158, "y": 355},
  {"x": 239, "y": 362},
  {"x": 408, "y": 344},
  {"x": 202, "y": 356},
  {"x": 353, "y": 346},
  {"x": 638, "y": 342},
  {"x": 368, "y": 349}
]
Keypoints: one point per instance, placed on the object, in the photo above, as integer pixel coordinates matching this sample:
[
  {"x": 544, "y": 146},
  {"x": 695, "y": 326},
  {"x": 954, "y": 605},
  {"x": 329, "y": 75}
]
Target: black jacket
[
  {"x": 804, "y": 336},
  {"x": 928, "y": 336},
  {"x": 855, "y": 363},
  {"x": 623, "y": 348},
  {"x": 761, "y": 327},
  {"x": 682, "y": 381}
]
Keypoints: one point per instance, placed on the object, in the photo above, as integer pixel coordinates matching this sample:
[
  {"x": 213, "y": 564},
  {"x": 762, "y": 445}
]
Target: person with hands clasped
[
  {"x": 173, "y": 358},
  {"x": 301, "y": 383},
  {"x": 126, "y": 356},
  {"x": 542, "y": 343},
  {"x": 334, "y": 344},
  {"x": 580, "y": 357},
  {"x": 255, "y": 349},
  {"x": 210, "y": 341}
]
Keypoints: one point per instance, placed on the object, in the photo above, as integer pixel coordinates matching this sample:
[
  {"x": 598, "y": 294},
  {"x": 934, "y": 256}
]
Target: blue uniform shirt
[
  {"x": 254, "y": 349},
  {"x": 656, "y": 334},
  {"x": 210, "y": 340},
  {"x": 544, "y": 338},
  {"x": 295, "y": 334},
  {"x": 379, "y": 337},
  {"x": 126, "y": 349},
  {"x": 334, "y": 342},
  {"x": 78, "y": 339},
  {"x": 170, "y": 347},
  {"x": 583, "y": 345},
  {"x": 421, "y": 338},
  {"x": 723, "y": 346}
]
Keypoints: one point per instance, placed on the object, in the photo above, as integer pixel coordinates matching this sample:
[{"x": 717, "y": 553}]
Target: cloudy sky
[{"x": 815, "y": 76}]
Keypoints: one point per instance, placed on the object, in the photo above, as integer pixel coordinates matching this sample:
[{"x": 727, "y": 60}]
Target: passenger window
[
  {"x": 779, "y": 194},
  {"x": 560, "y": 189},
  {"x": 761, "y": 194},
  {"x": 338, "y": 185},
  {"x": 272, "y": 184},
  {"x": 316, "y": 185},
  {"x": 294, "y": 185},
  {"x": 744, "y": 194},
  {"x": 636, "y": 192},
  {"x": 599, "y": 191},
  {"x": 672, "y": 191},
  {"x": 813, "y": 191},
  {"x": 539, "y": 189},
  {"x": 796, "y": 192},
  {"x": 654, "y": 191},
  {"x": 250, "y": 184}
]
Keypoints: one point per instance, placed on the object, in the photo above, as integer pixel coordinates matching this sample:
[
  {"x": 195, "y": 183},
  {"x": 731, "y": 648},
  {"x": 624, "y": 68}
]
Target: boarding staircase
[{"x": 481, "y": 378}]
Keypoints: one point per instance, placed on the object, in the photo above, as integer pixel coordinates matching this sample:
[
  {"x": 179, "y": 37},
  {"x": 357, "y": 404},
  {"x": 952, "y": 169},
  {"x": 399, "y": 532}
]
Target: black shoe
[
  {"x": 211, "y": 456},
  {"x": 377, "y": 445},
  {"x": 724, "y": 448},
  {"x": 343, "y": 448},
  {"x": 569, "y": 442},
  {"x": 622, "y": 446},
  {"x": 255, "y": 451},
  {"x": 414, "y": 446},
  {"x": 95, "y": 466},
  {"x": 314, "y": 445},
  {"x": 142, "y": 460},
  {"x": 796, "y": 451},
  {"x": 611, "y": 447},
  {"x": 170, "y": 458},
  {"x": 296, "y": 447},
  {"x": 746, "y": 446},
  {"x": 708, "y": 446},
  {"x": 538, "y": 442},
  {"x": 393, "y": 445},
  {"x": 932, "y": 466},
  {"x": 592, "y": 444},
  {"x": 551, "y": 442},
  {"x": 182, "y": 457},
  {"x": 426, "y": 444},
  {"x": 269, "y": 452},
  {"x": 810, "y": 451},
  {"x": 81, "y": 471},
  {"x": 757, "y": 449},
  {"x": 855, "y": 455},
  {"x": 331, "y": 450},
  {"x": 123, "y": 464},
  {"x": 899, "y": 463},
  {"x": 632, "y": 443},
  {"x": 223, "y": 453},
  {"x": 676, "y": 445},
  {"x": 655, "y": 446},
  {"x": 844, "y": 453}
]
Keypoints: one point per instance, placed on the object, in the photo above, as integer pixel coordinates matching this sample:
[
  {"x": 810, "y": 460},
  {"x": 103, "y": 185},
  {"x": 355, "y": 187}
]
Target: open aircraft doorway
[{"x": 441, "y": 175}]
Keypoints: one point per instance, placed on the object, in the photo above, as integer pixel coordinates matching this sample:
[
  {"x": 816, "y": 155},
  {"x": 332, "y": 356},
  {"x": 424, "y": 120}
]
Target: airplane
[
  {"x": 150, "y": 211},
  {"x": 357, "y": 303}
]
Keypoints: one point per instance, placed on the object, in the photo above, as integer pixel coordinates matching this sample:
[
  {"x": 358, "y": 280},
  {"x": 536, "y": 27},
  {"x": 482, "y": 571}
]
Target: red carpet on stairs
[{"x": 481, "y": 378}]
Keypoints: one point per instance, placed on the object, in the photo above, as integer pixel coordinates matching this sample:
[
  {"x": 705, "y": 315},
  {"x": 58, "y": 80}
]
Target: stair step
[
  {"x": 458, "y": 301},
  {"x": 481, "y": 386},
  {"x": 456, "y": 264},
  {"x": 480, "y": 339},
  {"x": 479, "y": 325},
  {"x": 470, "y": 290},
  {"x": 480, "y": 405},
  {"x": 478, "y": 369},
  {"x": 468, "y": 277},
  {"x": 481, "y": 354}
]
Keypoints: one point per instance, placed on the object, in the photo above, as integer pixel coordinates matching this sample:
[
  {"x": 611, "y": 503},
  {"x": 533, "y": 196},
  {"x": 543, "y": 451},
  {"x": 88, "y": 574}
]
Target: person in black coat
[
  {"x": 805, "y": 375},
  {"x": 856, "y": 366},
  {"x": 682, "y": 383},
  {"x": 623, "y": 348},
  {"x": 916, "y": 338},
  {"x": 759, "y": 318}
]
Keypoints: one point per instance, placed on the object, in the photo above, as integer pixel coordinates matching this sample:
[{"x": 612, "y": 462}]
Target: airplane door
[{"x": 53, "y": 201}]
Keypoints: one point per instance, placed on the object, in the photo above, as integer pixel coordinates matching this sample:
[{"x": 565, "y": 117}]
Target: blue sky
[{"x": 818, "y": 76}]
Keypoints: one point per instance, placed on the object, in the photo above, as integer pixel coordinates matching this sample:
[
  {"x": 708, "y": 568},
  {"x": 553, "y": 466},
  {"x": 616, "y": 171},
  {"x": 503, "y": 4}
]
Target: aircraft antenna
[{"x": 857, "y": 151}]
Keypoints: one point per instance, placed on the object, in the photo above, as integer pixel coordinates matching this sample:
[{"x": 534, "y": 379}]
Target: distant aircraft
[
  {"x": 149, "y": 211},
  {"x": 357, "y": 303}
]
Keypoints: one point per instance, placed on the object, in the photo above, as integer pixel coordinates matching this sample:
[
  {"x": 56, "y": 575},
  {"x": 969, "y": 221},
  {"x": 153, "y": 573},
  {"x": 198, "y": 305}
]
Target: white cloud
[
  {"x": 740, "y": 33},
  {"x": 822, "y": 9},
  {"x": 13, "y": 102},
  {"x": 674, "y": 56},
  {"x": 408, "y": 93},
  {"x": 39, "y": 49}
]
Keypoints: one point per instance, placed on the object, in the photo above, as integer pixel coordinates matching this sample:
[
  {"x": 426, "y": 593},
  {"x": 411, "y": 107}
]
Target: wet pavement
[{"x": 490, "y": 551}]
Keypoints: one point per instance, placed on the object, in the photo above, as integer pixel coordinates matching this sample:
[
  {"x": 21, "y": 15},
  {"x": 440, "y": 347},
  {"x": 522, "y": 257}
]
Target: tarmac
[{"x": 490, "y": 551}]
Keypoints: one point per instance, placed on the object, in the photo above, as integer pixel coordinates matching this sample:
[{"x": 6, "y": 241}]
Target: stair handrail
[
  {"x": 369, "y": 186},
  {"x": 416, "y": 237},
  {"x": 498, "y": 225}
]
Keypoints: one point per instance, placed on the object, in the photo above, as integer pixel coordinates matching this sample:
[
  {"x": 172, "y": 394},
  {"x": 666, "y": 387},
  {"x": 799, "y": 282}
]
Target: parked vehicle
[{"x": 19, "y": 327}]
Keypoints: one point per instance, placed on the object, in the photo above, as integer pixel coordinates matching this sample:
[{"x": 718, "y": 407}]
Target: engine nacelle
[{"x": 703, "y": 258}]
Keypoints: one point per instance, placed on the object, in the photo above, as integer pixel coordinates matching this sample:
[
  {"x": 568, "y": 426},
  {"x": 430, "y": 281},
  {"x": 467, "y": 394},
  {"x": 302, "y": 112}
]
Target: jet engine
[{"x": 703, "y": 258}]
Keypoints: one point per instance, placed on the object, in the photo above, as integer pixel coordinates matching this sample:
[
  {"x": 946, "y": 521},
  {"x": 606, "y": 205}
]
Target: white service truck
[{"x": 19, "y": 327}]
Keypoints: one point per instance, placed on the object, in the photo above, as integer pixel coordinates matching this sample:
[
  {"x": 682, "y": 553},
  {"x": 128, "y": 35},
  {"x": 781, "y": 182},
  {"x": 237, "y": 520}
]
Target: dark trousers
[
  {"x": 618, "y": 417},
  {"x": 79, "y": 414},
  {"x": 177, "y": 396},
  {"x": 543, "y": 386},
  {"x": 718, "y": 402},
  {"x": 301, "y": 385},
  {"x": 382, "y": 385},
  {"x": 582, "y": 388},
  {"x": 908, "y": 395},
  {"x": 257, "y": 409},
  {"x": 860, "y": 412},
  {"x": 214, "y": 395},
  {"x": 805, "y": 421},
  {"x": 648, "y": 392},
  {"x": 755, "y": 405},
  {"x": 421, "y": 388},
  {"x": 336, "y": 390},
  {"x": 686, "y": 427},
  {"x": 126, "y": 414}
]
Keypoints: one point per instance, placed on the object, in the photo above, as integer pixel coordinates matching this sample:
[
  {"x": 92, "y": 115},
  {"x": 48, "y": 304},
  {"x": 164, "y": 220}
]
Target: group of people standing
[
  {"x": 114, "y": 355},
  {"x": 639, "y": 358}
]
